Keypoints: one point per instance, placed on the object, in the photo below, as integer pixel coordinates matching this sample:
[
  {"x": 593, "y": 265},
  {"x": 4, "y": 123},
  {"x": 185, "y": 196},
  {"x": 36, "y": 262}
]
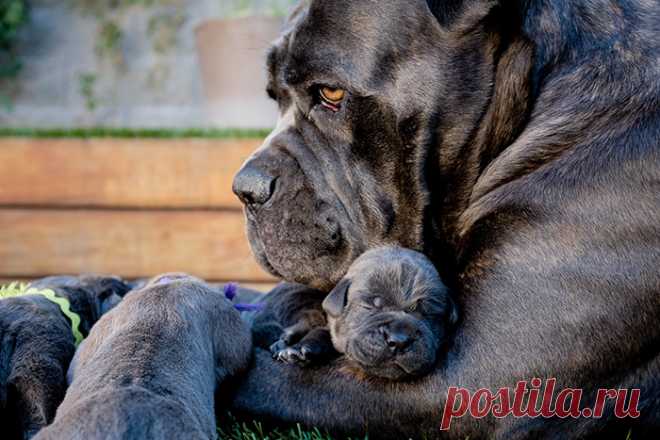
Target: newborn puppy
[
  {"x": 390, "y": 313},
  {"x": 150, "y": 367},
  {"x": 388, "y": 316},
  {"x": 37, "y": 344}
]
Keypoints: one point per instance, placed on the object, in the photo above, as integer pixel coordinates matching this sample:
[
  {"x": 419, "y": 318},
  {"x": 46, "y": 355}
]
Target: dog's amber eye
[{"x": 332, "y": 96}]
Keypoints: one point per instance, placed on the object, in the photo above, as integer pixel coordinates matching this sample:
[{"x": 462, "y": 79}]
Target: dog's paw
[
  {"x": 299, "y": 354},
  {"x": 289, "y": 337},
  {"x": 278, "y": 346}
]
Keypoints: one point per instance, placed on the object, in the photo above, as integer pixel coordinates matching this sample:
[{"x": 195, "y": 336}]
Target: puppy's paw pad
[{"x": 293, "y": 355}]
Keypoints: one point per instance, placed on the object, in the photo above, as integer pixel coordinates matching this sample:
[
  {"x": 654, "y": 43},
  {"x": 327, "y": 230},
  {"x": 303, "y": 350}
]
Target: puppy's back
[
  {"x": 126, "y": 413},
  {"x": 163, "y": 327},
  {"x": 152, "y": 364}
]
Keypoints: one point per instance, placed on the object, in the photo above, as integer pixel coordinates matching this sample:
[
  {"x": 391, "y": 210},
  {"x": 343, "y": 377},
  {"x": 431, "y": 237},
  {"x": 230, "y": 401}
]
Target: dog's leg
[
  {"x": 291, "y": 313},
  {"x": 298, "y": 327},
  {"x": 326, "y": 398},
  {"x": 314, "y": 348}
]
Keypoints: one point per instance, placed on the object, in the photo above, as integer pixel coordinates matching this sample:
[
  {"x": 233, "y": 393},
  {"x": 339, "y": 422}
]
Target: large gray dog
[
  {"x": 516, "y": 143},
  {"x": 149, "y": 368}
]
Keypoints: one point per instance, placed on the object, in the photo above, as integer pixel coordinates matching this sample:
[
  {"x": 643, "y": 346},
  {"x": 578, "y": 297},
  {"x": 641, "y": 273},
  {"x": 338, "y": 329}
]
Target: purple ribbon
[
  {"x": 249, "y": 307},
  {"x": 231, "y": 289}
]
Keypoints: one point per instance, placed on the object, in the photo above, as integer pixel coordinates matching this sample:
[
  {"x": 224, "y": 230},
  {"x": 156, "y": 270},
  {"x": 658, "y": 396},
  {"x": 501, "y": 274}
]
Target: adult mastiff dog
[{"x": 517, "y": 143}]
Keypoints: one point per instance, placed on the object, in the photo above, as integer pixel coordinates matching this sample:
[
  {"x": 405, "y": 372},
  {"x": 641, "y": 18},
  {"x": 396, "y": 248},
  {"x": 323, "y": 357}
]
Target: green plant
[
  {"x": 229, "y": 428},
  {"x": 100, "y": 7},
  {"x": 108, "y": 42},
  {"x": 13, "y": 14},
  {"x": 86, "y": 83},
  {"x": 280, "y": 8},
  {"x": 163, "y": 30},
  {"x": 275, "y": 8},
  {"x": 163, "y": 27}
]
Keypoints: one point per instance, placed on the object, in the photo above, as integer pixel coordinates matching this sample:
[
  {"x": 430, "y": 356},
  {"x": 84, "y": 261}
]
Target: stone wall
[{"x": 73, "y": 76}]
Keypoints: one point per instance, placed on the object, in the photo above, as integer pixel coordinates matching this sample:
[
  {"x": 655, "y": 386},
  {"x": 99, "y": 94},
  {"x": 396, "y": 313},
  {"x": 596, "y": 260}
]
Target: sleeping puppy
[
  {"x": 389, "y": 316},
  {"x": 149, "y": 368},
  {"x": 37, "y": 344}
]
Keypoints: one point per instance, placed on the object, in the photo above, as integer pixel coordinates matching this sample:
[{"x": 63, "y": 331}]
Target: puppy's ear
[
  {"x": 117, "y": 286},
  {"x": 110, "y": 292},
  {"x": 334, "y": 303}
]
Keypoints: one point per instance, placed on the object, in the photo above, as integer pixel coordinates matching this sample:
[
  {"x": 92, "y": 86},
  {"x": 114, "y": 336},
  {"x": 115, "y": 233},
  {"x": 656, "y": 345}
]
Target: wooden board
[
  {"x": 132, "y": 244},
  {"x": 140, "y": 173}
]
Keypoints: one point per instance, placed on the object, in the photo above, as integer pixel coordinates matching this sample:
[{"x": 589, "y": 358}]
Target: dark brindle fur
[
  {"x": 517, "y": 144},
  {"x": 37, "y": 344}
]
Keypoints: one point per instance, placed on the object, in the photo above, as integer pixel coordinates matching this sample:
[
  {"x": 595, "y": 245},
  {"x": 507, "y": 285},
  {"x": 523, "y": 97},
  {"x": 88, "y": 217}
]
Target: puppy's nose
[
  {"x": 253, "y": 186},
  {"x": 397, "y": 339}
]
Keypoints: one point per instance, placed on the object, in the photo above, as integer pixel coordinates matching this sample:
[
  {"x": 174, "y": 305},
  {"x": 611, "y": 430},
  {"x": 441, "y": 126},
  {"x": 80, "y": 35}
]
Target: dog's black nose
[
  {"x": 253, "y": 186},
  {"x": 397, "y": 339}
]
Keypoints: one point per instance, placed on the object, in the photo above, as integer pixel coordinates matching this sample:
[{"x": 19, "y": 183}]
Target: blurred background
[{"x": 122, "y": 123}]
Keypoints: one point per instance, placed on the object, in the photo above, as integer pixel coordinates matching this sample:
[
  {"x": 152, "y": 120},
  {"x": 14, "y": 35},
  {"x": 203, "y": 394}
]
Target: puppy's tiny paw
[
  {"x": 289, "y": 337},
  {"x": 298, "y": 355},
  {"x": 278, "y": 346}
]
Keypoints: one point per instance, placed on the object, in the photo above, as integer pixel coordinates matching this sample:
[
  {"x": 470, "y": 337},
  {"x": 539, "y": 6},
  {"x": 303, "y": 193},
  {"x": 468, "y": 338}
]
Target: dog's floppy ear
[
  {"x": 334, "y": 303},
  {"x": 110, "y": 292}
]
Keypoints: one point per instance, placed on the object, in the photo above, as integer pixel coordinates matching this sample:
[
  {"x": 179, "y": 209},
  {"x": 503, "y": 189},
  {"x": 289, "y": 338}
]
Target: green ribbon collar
[{"x": 19, "y": 289}]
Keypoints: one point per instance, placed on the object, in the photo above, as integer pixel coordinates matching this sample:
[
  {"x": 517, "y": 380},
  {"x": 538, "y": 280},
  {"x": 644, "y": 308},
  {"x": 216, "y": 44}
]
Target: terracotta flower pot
[{"x": 232, "y": 58}]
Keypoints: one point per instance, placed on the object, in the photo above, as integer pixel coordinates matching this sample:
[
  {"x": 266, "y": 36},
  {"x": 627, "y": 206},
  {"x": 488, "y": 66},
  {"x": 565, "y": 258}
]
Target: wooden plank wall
[{"x": 131, "y": 207}]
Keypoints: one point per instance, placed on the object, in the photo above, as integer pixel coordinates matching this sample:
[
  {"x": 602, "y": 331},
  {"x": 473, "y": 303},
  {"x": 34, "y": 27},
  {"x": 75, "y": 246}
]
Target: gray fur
[
  {"x": 391, "y": 291},
  {"x": 517, "y": 145},
  {"x": 388, "y": 293},
  {"x": 150, "y": 367},
  {"x": 37, "y": 344}
]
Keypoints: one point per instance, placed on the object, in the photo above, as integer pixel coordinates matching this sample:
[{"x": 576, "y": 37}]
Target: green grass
[
  {"x": 129, "y": 133},
  {"x": 232, "y": 429}
]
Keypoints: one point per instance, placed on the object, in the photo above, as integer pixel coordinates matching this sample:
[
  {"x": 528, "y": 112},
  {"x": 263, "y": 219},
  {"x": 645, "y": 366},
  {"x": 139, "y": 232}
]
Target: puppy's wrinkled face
[{"x": 389, "y": 315}]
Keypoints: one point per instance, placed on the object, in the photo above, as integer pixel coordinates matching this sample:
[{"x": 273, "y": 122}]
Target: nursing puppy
[
  {"x": 37, "y": 344},
  {"x": 388, "y": 316},
  {"x": 150, "y": 367}
]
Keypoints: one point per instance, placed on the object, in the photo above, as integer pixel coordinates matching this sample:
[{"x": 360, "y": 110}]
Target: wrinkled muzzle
[
  {"x": 295, "y": 233},
  {"x": 397, "y": 349}
]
